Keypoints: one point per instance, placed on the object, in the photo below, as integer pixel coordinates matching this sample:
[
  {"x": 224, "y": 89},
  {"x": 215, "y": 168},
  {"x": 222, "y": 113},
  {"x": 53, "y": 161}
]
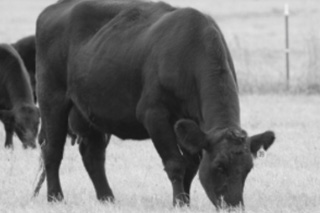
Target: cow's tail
[{"x": 41, "y": 175}]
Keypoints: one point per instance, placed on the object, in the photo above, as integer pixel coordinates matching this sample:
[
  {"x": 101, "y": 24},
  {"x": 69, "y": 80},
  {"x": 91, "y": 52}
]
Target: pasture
[{"x": 286, "y": 180}]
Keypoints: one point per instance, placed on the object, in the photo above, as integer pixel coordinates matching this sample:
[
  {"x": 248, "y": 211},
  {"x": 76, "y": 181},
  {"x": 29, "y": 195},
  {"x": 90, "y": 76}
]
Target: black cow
[
  {"x": 17, "y": 108},
  {"x": 26, "y": 48},
  {"x": 138, "y": 70}
]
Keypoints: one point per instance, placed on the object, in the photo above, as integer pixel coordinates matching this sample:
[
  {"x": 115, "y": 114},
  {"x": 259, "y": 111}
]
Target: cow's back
[
  {"x": 132, "y": 44},
  {"x": 72, "y": 26}
]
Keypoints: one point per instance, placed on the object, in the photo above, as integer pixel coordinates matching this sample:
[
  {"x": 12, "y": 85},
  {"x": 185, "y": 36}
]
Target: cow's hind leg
[
  {"x": 157, "y": 122},
  {"x": 92, "y": 148},
  {"x": 55, "y": 123}
]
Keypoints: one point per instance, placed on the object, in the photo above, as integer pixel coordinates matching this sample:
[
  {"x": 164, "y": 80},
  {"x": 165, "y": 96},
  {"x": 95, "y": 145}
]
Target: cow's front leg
[
  {"x": 191, "y": 171},
  {"x": 162, "y": 134}
]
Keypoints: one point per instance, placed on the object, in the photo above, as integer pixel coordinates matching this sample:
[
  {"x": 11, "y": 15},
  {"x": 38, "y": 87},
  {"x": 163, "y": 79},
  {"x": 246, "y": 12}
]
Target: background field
[
  {"x": 254, "y": 30},
  {"x": 287, "y": 180}
]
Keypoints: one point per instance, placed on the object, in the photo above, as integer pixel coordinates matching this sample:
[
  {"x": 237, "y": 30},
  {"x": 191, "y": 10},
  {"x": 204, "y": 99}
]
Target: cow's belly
[{"x": 110, "y": 106}]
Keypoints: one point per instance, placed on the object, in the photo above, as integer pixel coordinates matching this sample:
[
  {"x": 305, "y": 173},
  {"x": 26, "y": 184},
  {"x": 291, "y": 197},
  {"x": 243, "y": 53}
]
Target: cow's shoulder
[{"x": 179, "y": 27}]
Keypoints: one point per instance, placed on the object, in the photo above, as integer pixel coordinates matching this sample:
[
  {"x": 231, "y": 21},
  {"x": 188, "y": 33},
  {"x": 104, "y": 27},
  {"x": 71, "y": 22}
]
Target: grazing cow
[
  {"x": 17, "y": 108},
  {"x": 26, "y": 48},
  {"x": 143, "y": 70}
]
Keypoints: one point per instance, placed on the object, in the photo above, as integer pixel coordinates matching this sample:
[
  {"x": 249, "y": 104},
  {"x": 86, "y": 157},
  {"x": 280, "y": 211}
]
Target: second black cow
[{"x": 18, "y": 111}]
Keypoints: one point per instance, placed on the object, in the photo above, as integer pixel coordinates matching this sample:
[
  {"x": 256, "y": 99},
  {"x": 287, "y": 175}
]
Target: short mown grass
[{"x": 286, "y": 180}]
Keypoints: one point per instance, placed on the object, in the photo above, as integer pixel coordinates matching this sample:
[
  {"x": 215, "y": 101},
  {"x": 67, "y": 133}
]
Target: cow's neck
[
  {"x": 219, "y": 101},
  {"x": 18, "y": 86}
]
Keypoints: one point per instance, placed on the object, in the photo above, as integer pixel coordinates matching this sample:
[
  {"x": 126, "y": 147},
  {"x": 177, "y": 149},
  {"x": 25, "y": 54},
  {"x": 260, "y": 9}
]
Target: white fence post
[{"x": 287, "y": 50}]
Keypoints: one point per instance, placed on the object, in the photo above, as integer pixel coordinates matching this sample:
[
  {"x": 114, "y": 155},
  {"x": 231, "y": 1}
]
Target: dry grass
[{"x": 287, "y": 180}]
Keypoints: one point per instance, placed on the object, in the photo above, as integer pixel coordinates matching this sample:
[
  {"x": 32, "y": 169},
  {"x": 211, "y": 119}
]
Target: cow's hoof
[
  {"x": 55, "y": 198},
  {"x": 107, "y": 198},
  {"x": 181, "y": 200}
]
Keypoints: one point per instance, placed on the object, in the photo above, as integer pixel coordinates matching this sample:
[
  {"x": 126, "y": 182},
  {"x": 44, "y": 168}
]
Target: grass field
[{"x": 287, "y": 180}]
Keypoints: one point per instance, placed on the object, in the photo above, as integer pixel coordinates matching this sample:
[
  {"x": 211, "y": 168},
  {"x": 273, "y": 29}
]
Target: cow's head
[
  {"x": 24, "y": 120},
  {"x": 227, "y": 159}
]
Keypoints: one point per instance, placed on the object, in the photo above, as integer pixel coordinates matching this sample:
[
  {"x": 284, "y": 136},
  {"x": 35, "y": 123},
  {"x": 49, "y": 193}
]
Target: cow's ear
[
  {"x": 6, "y": 116},
  {"x": 263, "y": 140},
  {"x": 190, "y": 136}
]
